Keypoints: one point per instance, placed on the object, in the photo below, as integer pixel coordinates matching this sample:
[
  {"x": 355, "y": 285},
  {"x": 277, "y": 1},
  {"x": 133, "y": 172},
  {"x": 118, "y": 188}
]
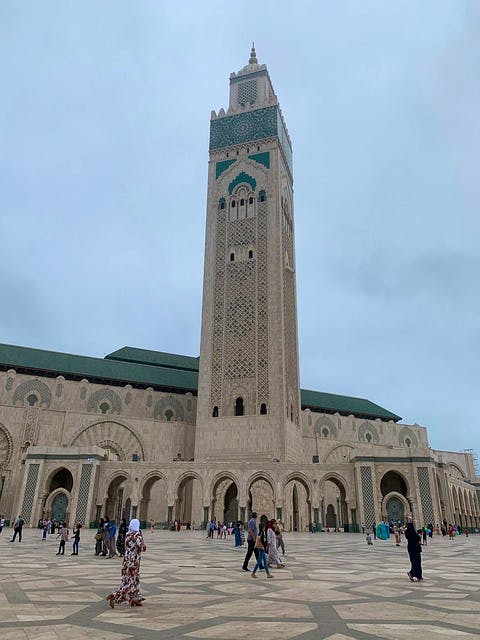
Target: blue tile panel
[
  {"x": 242, "y": 177},
  {"x": 222, "y": 166},
  {"x": 262, "y": 158},
  {"x": 243, "y": 127}
]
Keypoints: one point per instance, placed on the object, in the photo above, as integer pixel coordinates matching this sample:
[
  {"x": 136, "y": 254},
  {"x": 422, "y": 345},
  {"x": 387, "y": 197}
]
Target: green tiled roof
[
  {"x": 346, "y": 405},
  {"x": 97, "y": 369},
  {"x": 156, "y": 358},
  {"x": 169, "y": 371}
]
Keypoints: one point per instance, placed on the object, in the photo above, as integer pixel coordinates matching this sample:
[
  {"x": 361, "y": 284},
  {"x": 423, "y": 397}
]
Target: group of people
[
  {"x": 110, "y": 541},
  {"x": 264, "y": 541}
]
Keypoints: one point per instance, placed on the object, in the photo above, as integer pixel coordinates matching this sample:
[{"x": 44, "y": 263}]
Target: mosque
[{"x": 161, "y": 436}]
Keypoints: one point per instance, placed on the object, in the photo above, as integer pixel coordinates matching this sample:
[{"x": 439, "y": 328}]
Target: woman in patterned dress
[{"x": 129, "y": 589}]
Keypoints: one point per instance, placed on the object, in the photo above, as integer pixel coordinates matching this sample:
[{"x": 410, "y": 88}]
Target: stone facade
[{"x": 134, "y": 435}]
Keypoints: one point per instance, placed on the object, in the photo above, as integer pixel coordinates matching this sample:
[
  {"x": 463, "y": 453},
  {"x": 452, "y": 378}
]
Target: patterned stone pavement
[{"x": 334, "y": 586}]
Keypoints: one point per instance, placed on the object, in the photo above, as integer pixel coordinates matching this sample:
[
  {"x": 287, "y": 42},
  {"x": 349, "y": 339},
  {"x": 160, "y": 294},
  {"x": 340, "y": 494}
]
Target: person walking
[
  {"x": 238, "y": 534},
  {"x": 63, "y": 535},
  {"x": 279, "y": 537},
  {"x": 252, "y": 532},
  {"x": 45, "y": 530},
  {"x": 261, "y": 545},
  {"x": 122, "y": 532},
  {"x": 414, "y": 552},
  {"x": 112, "y": 532},
  {"x": 273, "y": 555},
  {"x": 129, "y": 589},
  {"x": 2, "y": 523},
  {"x": 99, "y": 537},
  {"x": 76, "y": 539},
  {"x": 17, "y": 529},
  {"x": 106, "y": 528}
]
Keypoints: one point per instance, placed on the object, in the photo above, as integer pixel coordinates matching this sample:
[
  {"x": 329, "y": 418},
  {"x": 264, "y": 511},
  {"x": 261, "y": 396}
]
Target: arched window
[
  {"x": 104, "y": 407},
  {"x": 263, "y": 409},
  {"x": 222, "y": 203},
  {"x": 262, "y": 196},
  {"x": 250, "y": 254},
  {"x": 239, "y": 408},
  {"x": 368, "y": 437},
  {"x": 233, "y": 204},
  {"x": 168, "y": 415},
  {"x": 325, "y": 432},
  {"x": 32, "y": 399},
  {"x": 215, "y": 412},
  {"x": 242, "y": 202},
  {"x": 232, "y": 257},
  {"x": 250, "y": 200},
  {"x": 408, "y": 442}
]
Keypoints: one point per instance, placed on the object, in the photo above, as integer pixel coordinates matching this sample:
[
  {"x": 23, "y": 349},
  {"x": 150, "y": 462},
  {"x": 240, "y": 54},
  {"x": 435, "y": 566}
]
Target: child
[{"x": 369, "y": 539}]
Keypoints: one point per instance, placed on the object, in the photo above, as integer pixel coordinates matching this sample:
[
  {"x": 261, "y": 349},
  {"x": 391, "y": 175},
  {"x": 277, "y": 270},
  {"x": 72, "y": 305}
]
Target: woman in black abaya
[{"x": 414, "y": 551}]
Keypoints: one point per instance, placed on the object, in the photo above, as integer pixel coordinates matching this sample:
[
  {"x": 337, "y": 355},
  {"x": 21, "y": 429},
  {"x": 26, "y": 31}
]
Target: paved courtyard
[{"x": 334, "y": 587}]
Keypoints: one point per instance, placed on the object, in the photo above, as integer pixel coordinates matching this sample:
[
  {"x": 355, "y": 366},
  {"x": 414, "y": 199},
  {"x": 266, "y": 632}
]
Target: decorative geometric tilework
[
  {"x": 262, "y": 306},
  {"x": 243, "y": 127},
  {"x": 405, "y": 436},
  {"x": 164, "y": 404},
  {"x": 30, "y": 489},
  {"x": 247, "y": 92},
  {"x": 284, "y": 142},
  {"x": 425, "y": 495},
  {"x": 367, "y": 490},
  {"x": 261, "y": 158},
  {"x": 367, "y": 432},
  {"x": 35, "y": 386},
  {"x": 242, "y": 177},
  {"x": 222, "y": 166},
  {"x": 6, "y": 446},
  {"x": 97, "y": 397},
  {"x": 83, "y": 493},
  {"x": 290, "y": 314}
]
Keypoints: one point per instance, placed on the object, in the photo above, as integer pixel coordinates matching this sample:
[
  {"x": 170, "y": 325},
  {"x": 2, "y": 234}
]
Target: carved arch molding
[
  {"x": 6, "y": 446},
  {"x": 119, "y": 438}
]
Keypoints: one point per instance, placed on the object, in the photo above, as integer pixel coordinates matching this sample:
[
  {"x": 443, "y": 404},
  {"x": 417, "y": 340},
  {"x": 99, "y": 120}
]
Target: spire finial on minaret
[{"x": 253, "y": 55}]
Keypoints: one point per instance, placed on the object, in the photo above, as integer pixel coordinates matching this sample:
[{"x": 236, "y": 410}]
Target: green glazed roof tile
[{"x": 169, "y": 371}]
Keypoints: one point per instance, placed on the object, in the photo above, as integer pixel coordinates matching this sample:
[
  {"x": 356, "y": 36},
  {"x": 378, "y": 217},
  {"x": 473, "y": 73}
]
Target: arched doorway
[
  {"x": 297, "y": 514},
  {"x": 395, "y": 510},
  {"x": 330, "y": 517},
  {"x": 189, "y": 502},
  {"x": 59, "y": 507},
  {"x": 57, "y": 497},
  {"x": 116, "y": 496},
  {"x": 62, "y": 479},
  {"x": 334, "y": 504},
  {"x": 153, "y": 503},
  {"x": 261, "y": 497},
  {"x": 224, "y": 503},
  {"x": 393, "y": 481}
]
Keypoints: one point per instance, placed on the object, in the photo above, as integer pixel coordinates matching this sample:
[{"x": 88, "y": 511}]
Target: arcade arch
[
  {"x": 153, "y": 500},
  {"x": 116, "y": 497},
  {"x": 298, "y": 503},
  {"x": 188, "y": 498},
  {"x": 261, "y": 495},
  {"x": 224, "y": 505},
  {"x": 334, "y": 503}
]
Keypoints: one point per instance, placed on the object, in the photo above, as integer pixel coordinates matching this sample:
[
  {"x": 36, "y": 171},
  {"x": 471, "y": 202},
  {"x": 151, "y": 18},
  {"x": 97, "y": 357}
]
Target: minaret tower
[{"x": 248, "y": 396}]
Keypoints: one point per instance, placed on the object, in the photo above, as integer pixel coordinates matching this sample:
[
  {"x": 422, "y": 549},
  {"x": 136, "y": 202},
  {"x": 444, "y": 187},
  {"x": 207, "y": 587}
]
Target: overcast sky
[{"x": 104, "y": 125}]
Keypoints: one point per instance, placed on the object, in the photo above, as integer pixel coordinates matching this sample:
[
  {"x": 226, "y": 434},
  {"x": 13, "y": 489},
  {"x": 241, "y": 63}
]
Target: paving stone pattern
[{"x": 334, "y": 586}]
